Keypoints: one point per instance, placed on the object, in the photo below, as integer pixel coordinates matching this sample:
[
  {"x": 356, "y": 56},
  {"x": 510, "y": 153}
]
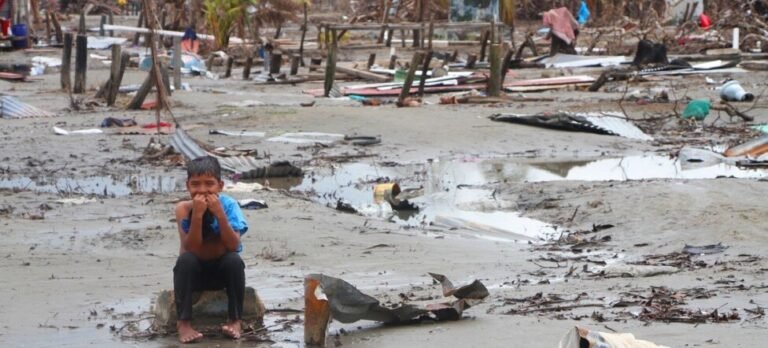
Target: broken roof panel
[
  {"x": 12, "y": 107},
  {"x": 187, "y": 146},
  {"x": 608, "y": 123}
]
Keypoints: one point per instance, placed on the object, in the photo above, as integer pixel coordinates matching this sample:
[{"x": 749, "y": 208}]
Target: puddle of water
[
  {"x": 459, "y": 193},
  {"x": 117, "y": 186}
]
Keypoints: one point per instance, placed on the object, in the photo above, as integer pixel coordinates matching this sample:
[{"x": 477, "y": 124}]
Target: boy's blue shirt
[{"x": 234, "y": 216}]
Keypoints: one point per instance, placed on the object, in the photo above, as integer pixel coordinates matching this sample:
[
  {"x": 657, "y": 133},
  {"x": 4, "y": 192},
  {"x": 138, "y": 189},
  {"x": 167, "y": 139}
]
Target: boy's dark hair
[{"x": 206, "y": 165}]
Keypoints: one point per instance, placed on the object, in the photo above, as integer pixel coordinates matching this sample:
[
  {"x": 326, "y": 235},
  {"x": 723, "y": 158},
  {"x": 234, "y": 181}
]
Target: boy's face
[{"x": 204, "y": 184}]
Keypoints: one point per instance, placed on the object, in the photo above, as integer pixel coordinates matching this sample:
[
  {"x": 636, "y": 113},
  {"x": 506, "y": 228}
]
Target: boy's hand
[
  {"x": 214, "y": 205},
  {"x": 199, "y": 204}
]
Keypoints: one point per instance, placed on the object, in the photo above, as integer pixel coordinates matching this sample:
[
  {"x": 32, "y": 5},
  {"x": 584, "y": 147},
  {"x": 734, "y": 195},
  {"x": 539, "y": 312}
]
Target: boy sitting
[{"x": 210, "y": 226}]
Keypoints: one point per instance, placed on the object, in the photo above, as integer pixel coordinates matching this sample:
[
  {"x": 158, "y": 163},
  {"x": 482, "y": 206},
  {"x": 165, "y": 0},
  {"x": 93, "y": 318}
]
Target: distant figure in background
[
  {"x": 563, "y": 30},
  {"x": 189, "y": 42}
]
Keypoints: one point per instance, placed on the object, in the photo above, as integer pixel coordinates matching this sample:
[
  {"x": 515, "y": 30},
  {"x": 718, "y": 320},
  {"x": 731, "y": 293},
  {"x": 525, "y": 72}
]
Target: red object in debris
[
  {"x": 154, "y": 125},
  {"x": 5, "y": 23},
  {"x": 704, "y": 21}
]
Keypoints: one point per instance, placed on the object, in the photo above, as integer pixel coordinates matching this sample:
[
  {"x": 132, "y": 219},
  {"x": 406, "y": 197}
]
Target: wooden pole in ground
[
  {"x": 371, "y": 60},
  {"x": 48, "y": 29},
  {"x": 295, "y": 62},
  {"x": 315, "y": 63},
  {"x": 471, "y": 59},
  {"x": 389, "y": 37},
  {"x": 114, "y": 70},
  {"x": 111, "y": 22},
  {"x": 505, "y": 62},
  {"x": 494, "y": 81},
  {"x": 177, "y": 63},
  {"x": 139, "y": 25},
  {"x": 431, "y": 32},
  {"x": 303, "y": 35},
  {"x": 101, "y": 25},
  {"x": 276, "y": 60},
  {"x": 330, "y": 65},
  {"x": 228, "y": 72},
  {"x": 166, "y": 79},
  {"x": 247, "y": 67},
  {"x": 392, "y": 61},
  {"x": 81, "y": 57},
  {"x": 317, "y": 314},
  {"x": 160, "y": 77},
  {"x": 142, "y": 93},
  {"x": 56, "y": 26},
  {"x": 405, "y": 91},
  {"x": 484, "y": 43},
  {"x": 385, "y": 19},
  {"x": 66, "y": 63},
  {"x": 425, "y": 67},
  {"x": 115, "y": 86}
]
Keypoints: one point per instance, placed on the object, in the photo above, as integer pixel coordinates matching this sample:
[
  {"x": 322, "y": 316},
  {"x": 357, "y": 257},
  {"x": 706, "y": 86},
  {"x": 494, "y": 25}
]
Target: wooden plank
[{"x": 363, "y": 74}]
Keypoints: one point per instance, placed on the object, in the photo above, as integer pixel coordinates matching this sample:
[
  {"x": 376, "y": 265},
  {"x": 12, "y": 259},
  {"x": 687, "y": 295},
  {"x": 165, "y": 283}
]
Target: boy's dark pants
[{"x": 192, "y": 274}]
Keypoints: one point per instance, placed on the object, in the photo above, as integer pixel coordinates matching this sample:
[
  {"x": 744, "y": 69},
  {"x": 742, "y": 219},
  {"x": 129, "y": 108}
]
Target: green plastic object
[
  {"x": 400, "y": 75},
  {"x": 763, "y": 128},
  {"x": 697, "y": 109}
]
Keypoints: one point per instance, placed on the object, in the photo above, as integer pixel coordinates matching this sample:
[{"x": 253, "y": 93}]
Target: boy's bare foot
[
  {"x": 232, "y": 329},
  {"x": 187, "y": 334}
]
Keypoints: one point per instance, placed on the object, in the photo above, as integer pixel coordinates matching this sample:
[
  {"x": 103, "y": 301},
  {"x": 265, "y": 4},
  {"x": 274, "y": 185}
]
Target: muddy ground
[{"x": 88, "y": 235}]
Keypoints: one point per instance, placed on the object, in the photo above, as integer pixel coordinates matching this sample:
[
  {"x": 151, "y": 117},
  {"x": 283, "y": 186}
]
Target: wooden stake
[
  {"x": 66, "y": 63},
  {"x": 101, "y": 25},
  {"x": 115, "y": 85},
  {"x": 454, "y": 56},
  {"x": 417, "y": 58},
  {"x": 392, "y": 61},
  {"x": 166, "y": 79},
  {"x": 48, "y": 29},
  {"x": 371, "y": 60},
  {"x": 317, "y": 314},
  {"x": 505, "y": 63},
  {"x": 424, "y": 69},
  {"x": 111, "y": 22},
  {"x": 142, "y": 93},
  {"x": 431, "y": 32},
  {"x": 471, "y": 59},
  {"x": 384, "y": 21},
  {"x": 228, "y": 72},
  {"x": 137, "y": 35},
  {"x": 330, "y": 65},
  {"x": 295, "y": 62},
  {"x": 56, "y": 27},
  {"x": 276, "y": 60},
  {"x": 303, "y": 35},
  {"x": 315, "y": 63},
  {"x": 483, "y": 44},
  {"x": 177, "y": 63},
  {"x": 494, "y": 81},
  {"x": 389, "y": 37},
  {"x": 247, "y": 67},
  {"x": 81, "y": 63}
]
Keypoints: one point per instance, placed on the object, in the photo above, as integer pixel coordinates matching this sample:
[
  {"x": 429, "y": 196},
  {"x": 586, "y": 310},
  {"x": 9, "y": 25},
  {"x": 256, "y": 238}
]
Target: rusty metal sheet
[
  {"x": 12, "y": 107},
  {"x": 608, "y": 123},
  {"x": 186, "y": 145}
]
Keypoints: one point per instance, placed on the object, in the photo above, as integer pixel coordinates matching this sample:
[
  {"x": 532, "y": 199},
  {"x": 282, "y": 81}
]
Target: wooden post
[
  {"x": 384, "y": 20},
  {"x": 228, "y": 72},
  {"x": 48, "y": 29},
  {"x": 303, "y": 35},
  {"x": 483, "y": 44},
  {"x": 111, "y": 22},
  {"x": 471, "y": 59},
  {"x": 371, "y": 60},
  {"x": 247, "y": 67},
  {"x": 424, "y": 69},
  {"x": 295, "y": 62},
  {"x": 166, "y": 80},
  {"x": 330, "y": 65},
  {"x": 81, "y": 57},
  {"x": 315, "y": 63},
  {"x": 405, "y": 91},
  {"x": 454, "y": 56},
  {"x": 402, "y": 37},
  {"x": 505, "y": 63},
  {"x": 276, "y": 60},
  {"x": 66, "y": 63},
  {"x": 392, "y": 61},
  {"x": 142, "y": 93},
  {"x": 113, "y": 72},
  {"x": 115, "y": 86},
  {"x": 101, "y": 25},
  {"x": 177, "y": 63},
  {"x": 494, "y": 81},
  {"x": 56, "y": 27},
  {"x": 137, "y": 35},
  {"x": 431, "y": 32},
  {"x": 389, "y": 37},
  {"x": 320, "y": 37},
  {"x": 317, "y": 314}
]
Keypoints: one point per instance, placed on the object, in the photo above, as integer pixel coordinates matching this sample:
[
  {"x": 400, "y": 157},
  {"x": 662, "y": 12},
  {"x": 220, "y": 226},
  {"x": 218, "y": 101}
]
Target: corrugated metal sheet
[
  {"x": 610, "y": 123},
  {"x": 12, "y": 107},
  {"x": 183, "y": 143}
]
